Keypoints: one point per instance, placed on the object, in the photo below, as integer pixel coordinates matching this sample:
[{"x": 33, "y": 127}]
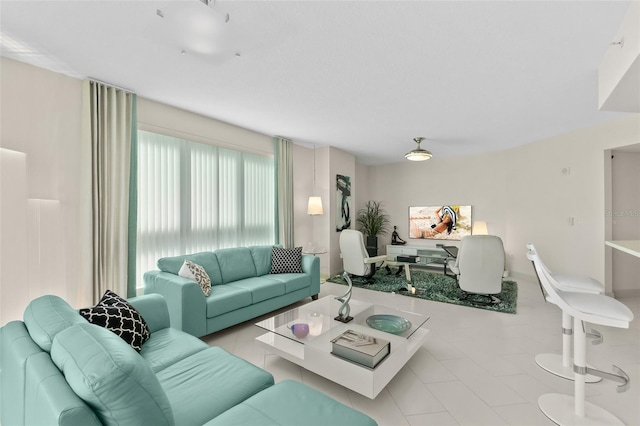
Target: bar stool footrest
[{"x": 552, "y": 363}]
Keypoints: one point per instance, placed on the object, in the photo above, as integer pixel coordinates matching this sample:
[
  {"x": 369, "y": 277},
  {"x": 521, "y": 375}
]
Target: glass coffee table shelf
[{"x": 314, "y": 326}]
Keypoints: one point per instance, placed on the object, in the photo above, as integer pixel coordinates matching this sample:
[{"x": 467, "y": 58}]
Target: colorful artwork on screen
[{"x": 447, "y": 222}]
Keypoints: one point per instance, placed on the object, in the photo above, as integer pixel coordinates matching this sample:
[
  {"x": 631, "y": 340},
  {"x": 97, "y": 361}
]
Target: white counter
[{"x": 631, "y": 247}]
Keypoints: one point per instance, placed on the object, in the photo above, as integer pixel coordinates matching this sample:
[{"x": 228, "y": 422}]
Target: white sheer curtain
[{"x": 195, "y": 197}]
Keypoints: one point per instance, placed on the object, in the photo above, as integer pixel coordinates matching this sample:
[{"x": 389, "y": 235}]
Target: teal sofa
[
  {"x": 58, "y": 369},
  {"x": 242, "y": 287}
]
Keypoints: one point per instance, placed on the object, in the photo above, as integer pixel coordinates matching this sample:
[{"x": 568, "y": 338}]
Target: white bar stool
[
  {"x": 561, "y": 364},
  {"x": 583, "y": 307}
]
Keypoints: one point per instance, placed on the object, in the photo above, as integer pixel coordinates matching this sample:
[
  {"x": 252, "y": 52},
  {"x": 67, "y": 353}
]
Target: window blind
[{"x": 196, "y": 197}]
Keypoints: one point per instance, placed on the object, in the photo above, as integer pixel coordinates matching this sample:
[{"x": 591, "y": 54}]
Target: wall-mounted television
[{"x": 449, "y": 222}]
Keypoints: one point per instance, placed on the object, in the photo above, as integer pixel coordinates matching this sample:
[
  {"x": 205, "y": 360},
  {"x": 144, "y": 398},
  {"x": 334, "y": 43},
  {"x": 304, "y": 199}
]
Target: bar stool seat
[{"x": 599, "y": 309}]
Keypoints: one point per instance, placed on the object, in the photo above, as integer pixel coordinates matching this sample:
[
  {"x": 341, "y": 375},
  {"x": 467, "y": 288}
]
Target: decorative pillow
[
  {"x": 195, "y": 272},
  {"x": 286, "y": 261},
  {"x": 117, "y": 315}
]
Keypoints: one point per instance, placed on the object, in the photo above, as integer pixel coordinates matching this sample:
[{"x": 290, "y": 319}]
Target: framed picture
[
  {"x": 449, "y": 222},
  {"x": 343, "y": 202}
]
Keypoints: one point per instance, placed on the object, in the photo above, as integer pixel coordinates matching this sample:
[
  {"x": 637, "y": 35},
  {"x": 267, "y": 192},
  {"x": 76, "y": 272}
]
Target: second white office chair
[
  {"x": 479, "y": 266},
  {"x": 355, "y": 259}
]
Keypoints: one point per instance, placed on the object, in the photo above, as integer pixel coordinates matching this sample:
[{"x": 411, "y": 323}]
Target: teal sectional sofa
[
  {"x": 58, "y": 369},
  {"x": 242, "y": 287}
]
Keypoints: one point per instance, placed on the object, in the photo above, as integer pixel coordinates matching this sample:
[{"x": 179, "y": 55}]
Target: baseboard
[
  {"x": 515, "y": 275},
  {"x": 632, "y": 292}
]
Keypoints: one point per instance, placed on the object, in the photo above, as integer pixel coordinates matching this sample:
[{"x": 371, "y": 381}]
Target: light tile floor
[{"x": 476, "y": 368}]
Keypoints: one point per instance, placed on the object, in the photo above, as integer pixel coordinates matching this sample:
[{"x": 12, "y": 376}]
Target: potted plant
[{"x": 372, "y": 221}]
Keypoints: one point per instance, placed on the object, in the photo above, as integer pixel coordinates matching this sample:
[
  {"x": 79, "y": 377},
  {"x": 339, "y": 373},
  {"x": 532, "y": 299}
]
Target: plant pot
[{"x": 372, "y": 245}]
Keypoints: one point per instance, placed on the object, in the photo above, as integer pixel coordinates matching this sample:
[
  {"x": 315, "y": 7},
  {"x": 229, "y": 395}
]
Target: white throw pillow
[{"x": 195, "y": 272}]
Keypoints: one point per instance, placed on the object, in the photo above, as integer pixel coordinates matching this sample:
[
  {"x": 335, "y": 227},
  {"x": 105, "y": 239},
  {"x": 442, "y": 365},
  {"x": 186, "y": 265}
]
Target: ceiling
[{"x": 365, "y": 77}]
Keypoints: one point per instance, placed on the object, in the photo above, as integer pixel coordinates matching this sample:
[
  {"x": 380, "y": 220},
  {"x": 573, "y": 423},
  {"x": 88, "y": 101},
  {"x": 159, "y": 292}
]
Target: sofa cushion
[
  {"x": 207, "y": 259},
  {"x": 292, "y": 282},
  {"x": 118, "y": 316},
  {"x": 261, "y": 288},
  {"x": 235, "y": 264},
  {"x": 111, "y": 377},
  {"x": 168, "y": 346},
  {"x": 48, "y": 315},
  {"x": 197, "y": 273},
  {"x": 227, "y": 298},
  {"x": 286, "y": 261},
  {"x": 262, "y": 259},
  {"x": 286, "y": 403},
  {"x": 208, "y": 383}
]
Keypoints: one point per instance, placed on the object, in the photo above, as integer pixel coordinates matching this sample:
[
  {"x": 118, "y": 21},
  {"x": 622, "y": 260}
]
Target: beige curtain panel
[
  {"x": 110, "y": 115},
  {"x": 284, "y": 190}
]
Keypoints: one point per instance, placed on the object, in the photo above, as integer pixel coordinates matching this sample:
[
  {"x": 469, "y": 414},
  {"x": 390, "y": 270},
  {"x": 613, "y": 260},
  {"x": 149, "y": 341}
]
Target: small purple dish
[{"x": 300, "y": 330}]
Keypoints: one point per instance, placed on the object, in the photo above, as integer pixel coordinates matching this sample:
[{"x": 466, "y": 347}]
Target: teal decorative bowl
[{"x": 389, "y": 323}]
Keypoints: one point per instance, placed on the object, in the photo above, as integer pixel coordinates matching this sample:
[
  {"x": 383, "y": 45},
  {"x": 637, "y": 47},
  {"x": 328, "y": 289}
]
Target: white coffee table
[{"x": 313, "y": 352}]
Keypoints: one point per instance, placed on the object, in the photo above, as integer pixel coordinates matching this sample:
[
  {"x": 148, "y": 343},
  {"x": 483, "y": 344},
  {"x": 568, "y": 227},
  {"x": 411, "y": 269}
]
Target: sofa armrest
[
  {"x": 49, "y": 398},
  {"x": 184, "y": 298},
  {"x": 311, "y": 266},
  {"x": 154, "y": 310}
]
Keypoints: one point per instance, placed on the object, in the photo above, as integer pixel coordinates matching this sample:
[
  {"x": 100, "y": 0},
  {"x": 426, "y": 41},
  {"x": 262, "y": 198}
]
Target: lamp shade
[
  {"x": 418, "y": 155},
  {"x": 315, "y": 206},
  {"x": 479, "y": 228}
]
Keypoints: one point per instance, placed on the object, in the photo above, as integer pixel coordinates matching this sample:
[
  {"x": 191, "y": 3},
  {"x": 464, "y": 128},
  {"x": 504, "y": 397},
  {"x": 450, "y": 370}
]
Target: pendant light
[
  {"x": 315, "y": 203},
  {"x": 418, "y": 154}
]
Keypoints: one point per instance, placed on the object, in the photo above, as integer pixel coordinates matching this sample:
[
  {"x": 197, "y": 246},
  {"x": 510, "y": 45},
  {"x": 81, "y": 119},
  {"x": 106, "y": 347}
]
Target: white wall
[
  {"x": 45, "y": 199},
  {"x": 340, "y": 163},
  {"x": 303, "y": 224},
  {"x": 171, "y": 121},
  {"x": 525, "y": 194}
]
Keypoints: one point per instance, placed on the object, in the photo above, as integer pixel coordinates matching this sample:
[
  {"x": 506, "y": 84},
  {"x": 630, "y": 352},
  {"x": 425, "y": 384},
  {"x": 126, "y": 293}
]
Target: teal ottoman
[{"x": 291, "y": 403}]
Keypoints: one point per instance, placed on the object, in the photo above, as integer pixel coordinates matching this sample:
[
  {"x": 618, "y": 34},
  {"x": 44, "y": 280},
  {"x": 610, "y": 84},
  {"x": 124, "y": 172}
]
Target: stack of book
[{"x": 361, "y": 348}]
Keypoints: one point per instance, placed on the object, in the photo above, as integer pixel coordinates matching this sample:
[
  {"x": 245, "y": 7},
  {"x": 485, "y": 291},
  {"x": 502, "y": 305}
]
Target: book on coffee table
[{"x": 361, "y": 348}]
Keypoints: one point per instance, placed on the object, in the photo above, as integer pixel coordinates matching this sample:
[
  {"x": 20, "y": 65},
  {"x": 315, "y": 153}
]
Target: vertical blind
[{"x": 195, "y": 197}]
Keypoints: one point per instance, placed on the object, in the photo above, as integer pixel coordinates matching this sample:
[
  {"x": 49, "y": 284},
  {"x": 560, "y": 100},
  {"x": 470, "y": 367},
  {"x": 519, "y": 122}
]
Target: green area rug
[{"x": 436, "y": 287}]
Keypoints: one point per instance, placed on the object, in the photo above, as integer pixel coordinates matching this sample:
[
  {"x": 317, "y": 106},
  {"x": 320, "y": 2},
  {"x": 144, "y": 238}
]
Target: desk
[
  {"x": 392, "y": 261},
  {"x": 631, "y": 247}
]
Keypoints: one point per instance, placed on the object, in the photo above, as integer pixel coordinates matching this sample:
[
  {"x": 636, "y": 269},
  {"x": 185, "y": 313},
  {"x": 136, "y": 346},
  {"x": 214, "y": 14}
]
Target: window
[{"x": 195, "y": 197}]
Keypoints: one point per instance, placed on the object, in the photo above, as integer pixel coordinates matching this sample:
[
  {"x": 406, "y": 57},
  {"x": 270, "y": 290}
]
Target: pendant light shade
[
  {"x": 418, "y": 154},
  {"x": 315, "y": 206}
]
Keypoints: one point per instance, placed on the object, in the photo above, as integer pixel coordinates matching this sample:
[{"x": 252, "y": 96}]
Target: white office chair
[
  {"x": 583, "y": 307},
  {"x": 561, "y": 364},
  {"x": 355, "y": 259},
  {"x": 479, "y": 266}
]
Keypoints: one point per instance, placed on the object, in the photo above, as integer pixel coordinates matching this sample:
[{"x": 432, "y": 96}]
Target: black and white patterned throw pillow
[
  {"x": 195, "y": 272},
  {"x": 286, "y": 261},
  {"x": 117, "y": 315}
]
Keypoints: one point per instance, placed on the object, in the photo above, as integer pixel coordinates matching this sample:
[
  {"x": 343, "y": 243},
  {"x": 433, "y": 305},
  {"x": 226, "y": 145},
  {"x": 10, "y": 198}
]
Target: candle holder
[{"x": 345, "y": 309}]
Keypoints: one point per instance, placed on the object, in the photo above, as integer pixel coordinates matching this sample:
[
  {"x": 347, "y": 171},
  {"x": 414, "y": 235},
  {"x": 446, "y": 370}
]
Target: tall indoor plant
[{"x": 373, "y": 220}]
